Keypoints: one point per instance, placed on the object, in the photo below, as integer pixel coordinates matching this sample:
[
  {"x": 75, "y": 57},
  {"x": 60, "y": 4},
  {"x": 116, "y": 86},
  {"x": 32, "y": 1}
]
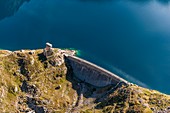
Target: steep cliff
[
  {"x": 31, "y": 83},
  {"x": 9, "y": 7}
]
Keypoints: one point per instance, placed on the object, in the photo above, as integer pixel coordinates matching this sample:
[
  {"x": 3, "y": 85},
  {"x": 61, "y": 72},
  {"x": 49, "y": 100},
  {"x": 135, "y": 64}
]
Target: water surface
[{"x": 129, "y": 38}]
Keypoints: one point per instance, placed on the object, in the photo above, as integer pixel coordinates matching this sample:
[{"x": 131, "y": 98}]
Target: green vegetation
[{"x": 30, "y": 82}]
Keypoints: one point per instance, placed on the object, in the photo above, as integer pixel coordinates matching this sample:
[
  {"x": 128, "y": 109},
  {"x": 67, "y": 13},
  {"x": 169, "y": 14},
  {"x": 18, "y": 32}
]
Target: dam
[{"x": 91, "y": 73}]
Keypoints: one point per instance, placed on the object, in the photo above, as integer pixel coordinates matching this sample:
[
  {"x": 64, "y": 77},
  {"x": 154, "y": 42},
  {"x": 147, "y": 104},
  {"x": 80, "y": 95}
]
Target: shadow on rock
[
  {"x": 88, "y": 95},
  {"x": 32, "y": 103},
  {"x": 41, "y": 57}
]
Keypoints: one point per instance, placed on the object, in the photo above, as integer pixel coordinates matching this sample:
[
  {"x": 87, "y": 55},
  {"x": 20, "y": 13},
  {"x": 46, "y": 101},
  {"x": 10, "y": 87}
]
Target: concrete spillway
[{"x": 92, "y": 74}]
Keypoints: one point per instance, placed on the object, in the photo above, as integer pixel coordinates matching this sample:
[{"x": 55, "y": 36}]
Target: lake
[{"x": 129, "y": 38}]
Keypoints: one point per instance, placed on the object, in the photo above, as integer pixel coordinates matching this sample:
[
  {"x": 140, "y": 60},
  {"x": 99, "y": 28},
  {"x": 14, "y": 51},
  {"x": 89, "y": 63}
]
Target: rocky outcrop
[
  {"x": 9, "y": 7},
  {"x": 31, "y": 83}
]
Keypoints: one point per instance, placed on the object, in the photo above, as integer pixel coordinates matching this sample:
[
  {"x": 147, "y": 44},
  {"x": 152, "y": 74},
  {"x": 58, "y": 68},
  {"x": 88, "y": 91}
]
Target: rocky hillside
[{"x": 30, "y": 83}]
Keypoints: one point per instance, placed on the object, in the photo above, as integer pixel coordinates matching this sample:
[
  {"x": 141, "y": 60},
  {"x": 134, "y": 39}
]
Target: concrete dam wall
[{"x": 92, "y": 74}]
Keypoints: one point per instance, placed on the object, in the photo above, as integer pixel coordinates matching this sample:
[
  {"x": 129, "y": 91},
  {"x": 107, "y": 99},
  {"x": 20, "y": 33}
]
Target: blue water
[{"x": 129, "y": 38}]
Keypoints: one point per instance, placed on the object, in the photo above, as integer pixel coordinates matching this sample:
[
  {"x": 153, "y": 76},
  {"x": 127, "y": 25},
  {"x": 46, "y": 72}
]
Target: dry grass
[{"x": 17, "y": 67}]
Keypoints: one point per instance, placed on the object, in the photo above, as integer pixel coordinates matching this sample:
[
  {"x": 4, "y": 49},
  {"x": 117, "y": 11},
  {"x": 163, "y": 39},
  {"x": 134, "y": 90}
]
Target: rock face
[
  {"x": 31, "y": 83},
  {"x": 9, "y": 7}
]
